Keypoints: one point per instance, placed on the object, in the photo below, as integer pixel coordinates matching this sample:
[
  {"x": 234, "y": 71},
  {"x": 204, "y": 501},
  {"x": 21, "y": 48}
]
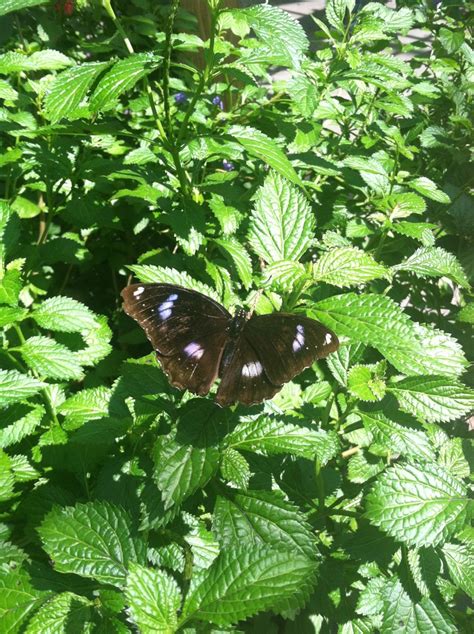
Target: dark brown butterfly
[{"x": 197, "y": 340}]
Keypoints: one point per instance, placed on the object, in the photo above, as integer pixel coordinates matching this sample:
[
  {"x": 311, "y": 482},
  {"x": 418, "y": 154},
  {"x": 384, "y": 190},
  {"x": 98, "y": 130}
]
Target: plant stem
[
  {"x": 44, "y": 393},
  {"x": 166, "y": 67},
  {"x": 181, "y": 174},
  {"x": 203, "y": 81},
  {"x": 319, "y": 483}
]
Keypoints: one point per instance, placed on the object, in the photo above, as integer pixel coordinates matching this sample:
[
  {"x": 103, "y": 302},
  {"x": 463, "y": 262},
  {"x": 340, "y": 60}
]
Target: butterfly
[{"x": 197, "y": 340}]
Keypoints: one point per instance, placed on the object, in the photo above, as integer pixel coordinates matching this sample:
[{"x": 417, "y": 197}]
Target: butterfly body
[{"x": 197, "y": 340}]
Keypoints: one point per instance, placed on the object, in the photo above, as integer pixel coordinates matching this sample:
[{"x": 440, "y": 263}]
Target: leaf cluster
[{"x": 130, "y": 146}]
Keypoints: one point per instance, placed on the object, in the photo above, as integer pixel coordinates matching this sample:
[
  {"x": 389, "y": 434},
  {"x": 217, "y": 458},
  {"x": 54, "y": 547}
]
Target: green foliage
[{"x": 132, "y": 148}]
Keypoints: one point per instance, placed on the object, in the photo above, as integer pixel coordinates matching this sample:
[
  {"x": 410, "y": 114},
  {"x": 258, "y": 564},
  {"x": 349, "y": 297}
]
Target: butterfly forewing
[
  {"x": 187, "y": 330},
  {"x": 287, "y": 343}
]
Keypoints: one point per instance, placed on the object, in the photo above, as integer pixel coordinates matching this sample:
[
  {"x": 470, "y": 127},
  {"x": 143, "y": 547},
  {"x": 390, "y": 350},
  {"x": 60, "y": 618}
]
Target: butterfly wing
[
  {"x": 187, "y": 330},
  {"x": 288, "y": 343},
  {"x": 243, "y": 377}
]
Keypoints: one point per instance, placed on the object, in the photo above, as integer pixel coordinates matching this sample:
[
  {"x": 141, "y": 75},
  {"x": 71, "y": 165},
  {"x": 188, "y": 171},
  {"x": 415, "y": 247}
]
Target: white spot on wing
[
  {"x": 165, "y": 309},
  {"x": 193, "y": 350},
  {"x": 328, "y": 338},
  {"x": 252, "y": 369},
  {"x": 137, "y": 292},
  {"x": 298, "y": 341}
]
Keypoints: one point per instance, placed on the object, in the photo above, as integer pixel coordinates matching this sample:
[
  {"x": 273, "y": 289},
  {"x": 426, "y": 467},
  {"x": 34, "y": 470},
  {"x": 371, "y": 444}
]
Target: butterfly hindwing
[
  {"x": 187, "y": 330},
  {"x": 243, "y": 378},
  {"x": 288, "y": 343}
]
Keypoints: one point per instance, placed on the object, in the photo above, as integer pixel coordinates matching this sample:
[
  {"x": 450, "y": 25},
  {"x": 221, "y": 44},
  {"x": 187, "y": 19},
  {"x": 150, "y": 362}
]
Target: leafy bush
[{"x": 132, "y": 146}]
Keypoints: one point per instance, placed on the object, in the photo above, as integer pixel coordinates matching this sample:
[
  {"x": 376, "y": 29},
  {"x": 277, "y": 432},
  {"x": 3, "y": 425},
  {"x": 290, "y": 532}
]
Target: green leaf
[
  {"x": 285, "y": 274},
  {"x": 371, "y": 171},
  {"x": 425, "y": 568},
  {"x": 393, "y": 21},
  {"x": 150, "y": 274},
  {"x": 418, "y": 506},
  {"x": 22, "y": 427},
  {"x": 340, "y": 361},
  {"x": 183, "y": 469},
  {"x": 15, "y": 386},
  {"x": 466, "y": 313},
  {"x": 240, "y": 258},
  {"x": 91, "y": 540},
  {"x": 336, "y": 11},
  {"x": 282, "y": 222},
  {"x": 7, "y": 92},
  {"x": 7, "y": 479},
  {"x": 262, "y": 518},
  {"x": 451, "y": 457},
  {"x": 235, "y": 468},
  {"x": 67, "y": 92},
  {"x": 22, "y": 470},
  {"x": 427, "y": 188},
  {"x": 15, "y": 5},
  {"x": 278, "y": 30},
  {"x": 435, "y": 399},
  {"x": 10, "y": 314},
  {"x": 154, "y": 599},
  {"x": 460, "y": 560},
  {"x": 404, "y": 204},
  {"x": 451, "y": 40},
  {"x": 402, "y": 615},
  {"x": 274, "y": 436},
  {"x": 51, "y": 359},
  {"x": 63, "y": 612},
  {"x": 364, "y": 385},
  {"x": 347, "y": 266},
  {"x": 363, "y": 467},
  {"x": 121, "y": 77},
  {"x": 434, "y": 262},
  {"x": 395, "y": 437},
  {"x": 411, "y": 348},
  {"x": 18, "y": 599},
  {"x": 422, "y": 231},
  {"x": 436, "y": 353},
  {"x": 244, "y": 581},
  {"x": 10, "y": 287},
  {"x": 262, "y": 147},
  {"x": 356, "y": 626},
  {"x": 228, "y": 217},
  {"x": 13, "y": 62},
  {"x": 64, "y": 314},
  {"x": 304, "y": 94},
  {"x": 186, "y": 460},
  {"x": 86, "y": 405},
  {"x": 97, "y": 343},
  {"x": 365, "y": 318}
]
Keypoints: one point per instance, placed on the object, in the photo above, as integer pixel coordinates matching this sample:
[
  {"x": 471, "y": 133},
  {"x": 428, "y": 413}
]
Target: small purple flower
[
  {"x": 217, "y": 101},
  {"x": 228, "y": 165},
  {"x": 180, "y": 97}
]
